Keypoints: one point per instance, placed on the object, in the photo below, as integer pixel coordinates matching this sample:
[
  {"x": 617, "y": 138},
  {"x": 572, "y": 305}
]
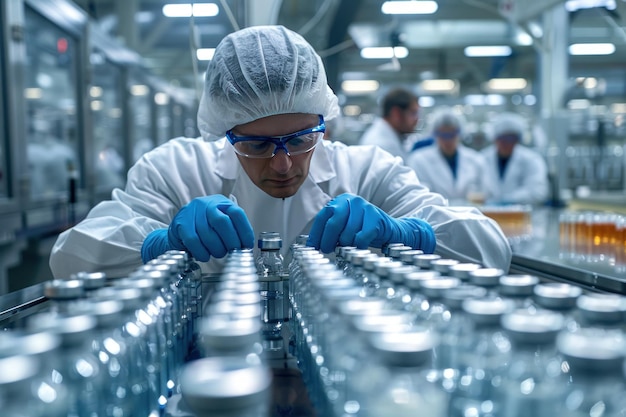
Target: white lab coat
[
  {"x": 380, "y": 133},
  {"x": 525, "y": 178},
  {"x": 434, "y": 172},
  {"x": 164, "y": 180}
]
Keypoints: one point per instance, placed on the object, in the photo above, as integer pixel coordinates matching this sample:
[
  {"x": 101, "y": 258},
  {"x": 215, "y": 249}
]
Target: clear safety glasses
[
  {"x": 446, "y": 135},
  {"x": 508, "y": 137},
  {"x": 266, "y": 146}
]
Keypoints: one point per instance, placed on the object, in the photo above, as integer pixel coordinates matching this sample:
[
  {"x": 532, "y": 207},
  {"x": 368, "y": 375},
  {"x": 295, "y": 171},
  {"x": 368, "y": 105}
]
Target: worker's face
[
  {"x": 447, "y": 139},
  {"x": 281, "y": 175},
  {"x": 505, "y": 144},
  {"x": 405, "y": 120}
]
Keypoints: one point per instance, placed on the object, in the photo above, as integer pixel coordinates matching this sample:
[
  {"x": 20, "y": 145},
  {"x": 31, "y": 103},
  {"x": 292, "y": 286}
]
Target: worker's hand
[
  {"x": 349, "y": 220},
  {"x": 207, "y": 226}
]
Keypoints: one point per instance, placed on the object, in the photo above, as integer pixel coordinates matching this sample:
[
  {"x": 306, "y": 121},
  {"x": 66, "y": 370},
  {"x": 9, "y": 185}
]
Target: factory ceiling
[{"x": 339, "y": 29}]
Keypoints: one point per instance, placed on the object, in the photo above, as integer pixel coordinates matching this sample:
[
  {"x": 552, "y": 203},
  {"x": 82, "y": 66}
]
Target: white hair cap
[
  {"x": 509, "y": 123},
  {"x": 446, "y": 117},
  {"x": 262, "y": 71}
]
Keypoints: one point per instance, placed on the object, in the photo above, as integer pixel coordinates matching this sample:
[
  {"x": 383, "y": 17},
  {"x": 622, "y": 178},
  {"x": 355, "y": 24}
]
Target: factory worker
[
  {"x": 514, "y": 173},
  {"x": 400, "y": 114},
  {"x": 449, "y": 168},
  {"x": 266, "y": 98}
]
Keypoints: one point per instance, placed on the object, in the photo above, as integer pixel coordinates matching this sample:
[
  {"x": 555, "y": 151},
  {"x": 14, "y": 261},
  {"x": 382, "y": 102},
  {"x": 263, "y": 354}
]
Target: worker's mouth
[{"x": 287, "y": 182}]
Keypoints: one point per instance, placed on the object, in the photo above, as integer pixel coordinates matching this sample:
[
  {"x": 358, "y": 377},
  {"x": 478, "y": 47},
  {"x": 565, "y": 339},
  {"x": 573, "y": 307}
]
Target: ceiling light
[
  {"x": 384, "y": 52},
  {"x": 438, "y": 86},
  {"x": 33, "y": 93},
  {"x": 530, "y": 100},
  {"x": 161, "y": 98},
  {"x": 139, "y": 90},
  {"x": 95, "y": 91},
  {"x": 96, "y": 105},
  {"x": 573, "y": 5},
  {"x": 475, "y": 99},
  {"x": 481, "y": 51},
  {"x": 409, "y": 7},
  {"x": 506, "y": 84},
  {"x": 188, "y": 9},
  {"x": 351, "y": 110},
  {"x": 494, "y": 100},
  {"x": 523, "y": 38},
  {"x": 426, "y": 101},
  {"x": 359, "y": 86},
  {"x": 578, "y": 104},
  {"x": 205, "y": 54},
  {"x": 591, "y": 49},
  {"x": 590, "y": 83},
  {"x": 618, "y": 108}
]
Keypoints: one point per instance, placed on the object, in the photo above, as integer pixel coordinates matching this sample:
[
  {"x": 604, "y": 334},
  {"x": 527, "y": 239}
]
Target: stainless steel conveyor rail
[{"x": 20, "y": 304}]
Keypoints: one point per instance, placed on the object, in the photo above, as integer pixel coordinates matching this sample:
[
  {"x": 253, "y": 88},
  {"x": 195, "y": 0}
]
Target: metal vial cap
[
  {"x": 408, "y": 349},
  {"x": 518, "y": 285},
  {"x": 557, "y": 296},
  {"x": 435, "y": 288},
  {"x": 270, "y": 241},
  {"x": 533, "y": 327},
  {"x": 414, "y": 279},
  {"x": 443, "y": 265},
  {"x": 602, "y": 308},
  {"x": 224, "y": 383},
  {"x": 462, "y": 270},
  {"x": 59, "y": 289},
  {"x": 486, "y": 277},
  {"x": 424, "y": 260}
]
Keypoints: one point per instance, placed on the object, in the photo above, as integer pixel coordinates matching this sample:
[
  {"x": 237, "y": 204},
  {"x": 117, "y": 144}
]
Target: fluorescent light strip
[
  {"x": 506, "y": 84},
  {"x": 426, "y": 101},
  {"x": 578, "y": 104},
  {"x": 618, "y": 108},
  {"x": 591, "y": 49},
  {"x": 442, "y": 85},
  {"x": 161, "y": 98},
  {"x": 188, "y": 9},
  {"x": 384, "y": 52},
  {"x": 484, "y": 51},
  {"x": 484, "y": 100},
  {"x": 409, "y": 7},
  {"x": 574, "y": 5},
  {"x": 205, "y": 54},
  {"x": 360, "y": 86},
  {"x": 139, "y": 90},
  {"x": 351, "y": 110}
]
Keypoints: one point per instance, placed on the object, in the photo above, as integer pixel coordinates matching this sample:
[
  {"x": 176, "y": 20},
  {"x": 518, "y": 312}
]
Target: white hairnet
[
  {"x": 508, "y": 123},
  {"x": 262, "y": 71},
  {"x": 445, "y": 116}
]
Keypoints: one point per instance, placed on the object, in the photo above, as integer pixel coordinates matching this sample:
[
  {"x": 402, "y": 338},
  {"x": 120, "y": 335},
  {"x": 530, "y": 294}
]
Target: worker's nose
[{"x": 281, "y": 162}]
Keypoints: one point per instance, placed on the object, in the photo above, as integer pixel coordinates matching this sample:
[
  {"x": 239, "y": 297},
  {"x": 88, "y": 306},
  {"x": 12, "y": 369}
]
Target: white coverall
[
  {"x": 434, "y": 172},
  {"x": 525, "y": 178},
  {"x": 382, "y": 134},
  {"x": 164, "y": 180}
]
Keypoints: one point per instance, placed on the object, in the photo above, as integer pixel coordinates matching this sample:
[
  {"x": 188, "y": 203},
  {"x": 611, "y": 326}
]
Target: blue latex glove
[
  {"x": 207, "y": 226},
  {"x": 349, "y": 220}
]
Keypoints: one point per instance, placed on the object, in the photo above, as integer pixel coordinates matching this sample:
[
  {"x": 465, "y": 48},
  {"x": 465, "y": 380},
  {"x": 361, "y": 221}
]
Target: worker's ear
[{"x": 395, "y": 113}]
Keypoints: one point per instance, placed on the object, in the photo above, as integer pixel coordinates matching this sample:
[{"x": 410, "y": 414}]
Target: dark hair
[{"x": 398, "y": 97}]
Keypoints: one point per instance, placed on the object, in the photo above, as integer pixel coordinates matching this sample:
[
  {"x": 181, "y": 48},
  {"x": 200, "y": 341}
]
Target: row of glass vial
[
  {"x": 593, "y": 237},
  {"x": 231, "y": 379},
  {"x": 476, "y": 351},
  {"x": 104, "y": 347}
]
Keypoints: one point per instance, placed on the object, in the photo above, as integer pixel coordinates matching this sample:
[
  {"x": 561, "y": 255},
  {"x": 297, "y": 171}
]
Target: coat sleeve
[
  {"x": 534, "y": 187},
  {"x": 109, "y": 239},
  {"x": 462, "y": 233}
]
